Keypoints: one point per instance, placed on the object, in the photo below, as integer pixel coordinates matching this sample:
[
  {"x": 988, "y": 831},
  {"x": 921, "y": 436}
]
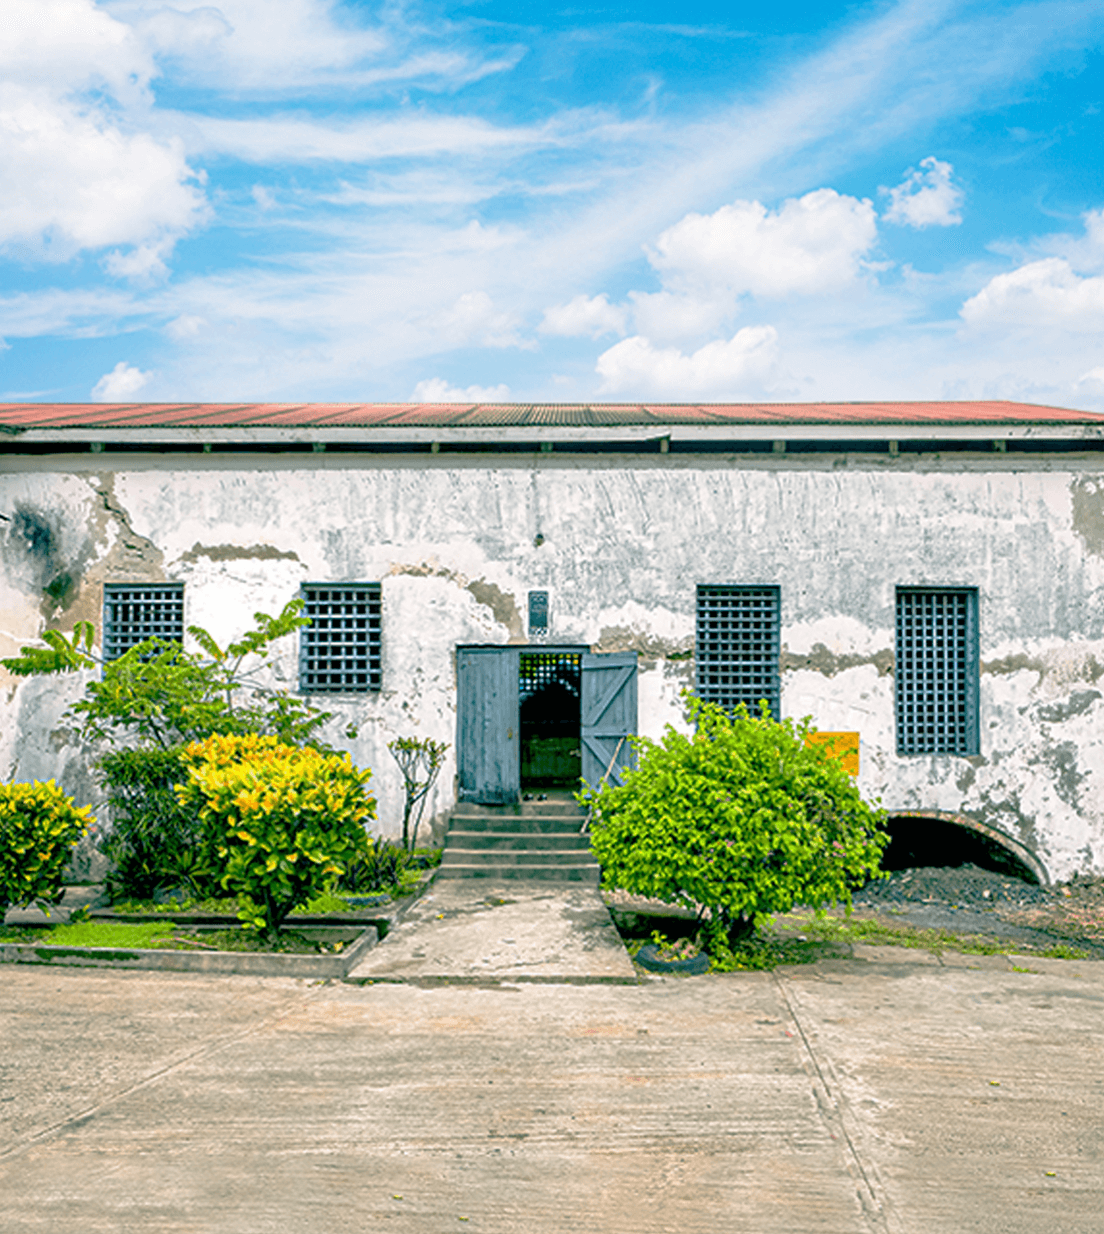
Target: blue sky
[{"x": 323, "y": 200}]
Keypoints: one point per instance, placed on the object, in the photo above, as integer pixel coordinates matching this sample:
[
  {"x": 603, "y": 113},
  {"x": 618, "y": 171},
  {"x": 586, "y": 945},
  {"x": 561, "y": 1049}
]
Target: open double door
[{"x": 488, "y": 722}]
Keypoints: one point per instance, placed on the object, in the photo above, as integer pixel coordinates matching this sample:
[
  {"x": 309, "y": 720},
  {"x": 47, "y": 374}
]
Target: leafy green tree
[
  {"x": 286, "y": 821},
  {"x": 740, "y": 818},
  {"x": 159, "y": 694}
]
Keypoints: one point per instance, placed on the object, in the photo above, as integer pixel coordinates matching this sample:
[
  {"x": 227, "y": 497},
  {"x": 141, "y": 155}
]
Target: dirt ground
[
  {"x": 978, "y": 901},
  {"x": 966, "y": 900}
]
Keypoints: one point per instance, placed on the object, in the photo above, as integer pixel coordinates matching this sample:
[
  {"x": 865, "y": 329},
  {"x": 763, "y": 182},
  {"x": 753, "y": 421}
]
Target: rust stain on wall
[{"x": 821, "y": 660}]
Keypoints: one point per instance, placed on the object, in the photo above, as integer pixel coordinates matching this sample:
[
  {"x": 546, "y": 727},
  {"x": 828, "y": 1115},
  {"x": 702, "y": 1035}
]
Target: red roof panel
[{"x": 123, "y": 416}]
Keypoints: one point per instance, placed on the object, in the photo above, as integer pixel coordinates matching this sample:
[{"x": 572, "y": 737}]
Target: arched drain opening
[{"x": 921, "y": 839}]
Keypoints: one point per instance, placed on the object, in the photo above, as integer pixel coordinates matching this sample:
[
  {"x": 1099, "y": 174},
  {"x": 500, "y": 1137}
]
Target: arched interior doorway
[{"x": 940, "y": 838}]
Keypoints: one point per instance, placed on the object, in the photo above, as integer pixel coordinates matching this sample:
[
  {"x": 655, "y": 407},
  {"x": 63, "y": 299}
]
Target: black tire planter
[{"x": 648, "y": 957}]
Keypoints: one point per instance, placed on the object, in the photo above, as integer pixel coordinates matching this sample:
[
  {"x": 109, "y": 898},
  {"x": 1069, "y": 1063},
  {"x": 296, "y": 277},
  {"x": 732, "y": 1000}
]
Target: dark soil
[
  {"x": 966, "y": 900},
  {"x": 969, "y": 899}
]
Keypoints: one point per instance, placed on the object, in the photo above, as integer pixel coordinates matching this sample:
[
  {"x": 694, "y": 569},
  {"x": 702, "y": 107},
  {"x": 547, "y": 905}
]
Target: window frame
[
  {"x": 713, "y": 694},
  {"x": 373, "y": 647},
  {"x": 971, "y": 665},
  {"x": 169, "y": 592}
]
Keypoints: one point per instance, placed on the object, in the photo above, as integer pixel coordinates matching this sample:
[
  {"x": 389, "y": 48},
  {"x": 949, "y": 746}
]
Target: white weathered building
[{"x": 928, "y": 576}]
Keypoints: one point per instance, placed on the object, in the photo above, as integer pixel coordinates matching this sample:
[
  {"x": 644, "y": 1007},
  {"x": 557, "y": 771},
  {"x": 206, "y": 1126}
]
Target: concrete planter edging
[{"x": 245, "y": 963}]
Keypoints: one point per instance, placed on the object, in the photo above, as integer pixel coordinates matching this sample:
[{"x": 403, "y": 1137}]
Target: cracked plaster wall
[{"x": 620, "y": 547}]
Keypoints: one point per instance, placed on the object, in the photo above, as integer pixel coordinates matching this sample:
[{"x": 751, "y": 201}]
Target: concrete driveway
[{"x": 885, "y": 1093}]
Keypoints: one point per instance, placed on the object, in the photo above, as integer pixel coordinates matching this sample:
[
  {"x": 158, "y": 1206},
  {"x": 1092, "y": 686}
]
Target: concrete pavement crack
[
  {"x": 833, "y": 1108},
  {"x": 205, "y": 1049}
]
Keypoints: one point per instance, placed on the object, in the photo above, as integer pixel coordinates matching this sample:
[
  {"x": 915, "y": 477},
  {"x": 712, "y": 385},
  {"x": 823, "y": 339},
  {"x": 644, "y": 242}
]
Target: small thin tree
[{"x": 420, "y": 760}]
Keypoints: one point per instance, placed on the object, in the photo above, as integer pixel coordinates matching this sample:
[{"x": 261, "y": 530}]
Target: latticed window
[
  {"x": 937, "y": 670},
  {"x": 134, "y": 612},
  {"x": 737, "y": 646},
  {"x": 540, "y": 670},
  {"x": 339, "y": 652}
]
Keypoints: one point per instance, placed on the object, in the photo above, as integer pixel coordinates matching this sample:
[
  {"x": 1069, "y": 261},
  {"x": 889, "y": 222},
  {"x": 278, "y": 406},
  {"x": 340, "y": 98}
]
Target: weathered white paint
[{"x": 454, "y": 542}]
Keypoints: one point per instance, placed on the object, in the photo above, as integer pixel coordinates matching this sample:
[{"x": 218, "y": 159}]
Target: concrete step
[
  {"x": 563, "y": 806},
  {"x": 545, "y": 874},
  {"x": 568, "y": 824},
  {"x": 514, "y": 856},
  {"x": 561, "y": 841}
]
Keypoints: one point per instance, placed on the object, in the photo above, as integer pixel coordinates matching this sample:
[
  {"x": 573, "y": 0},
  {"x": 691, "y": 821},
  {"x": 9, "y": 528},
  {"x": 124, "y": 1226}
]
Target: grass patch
[
  {"x": 825, "y": 928},
  {"x": 168, "y": 936},
  {"x": 95, "y": 934}
]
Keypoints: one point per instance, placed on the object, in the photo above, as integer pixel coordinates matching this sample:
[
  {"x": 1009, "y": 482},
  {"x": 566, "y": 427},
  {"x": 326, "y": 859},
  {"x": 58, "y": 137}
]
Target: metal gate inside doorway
[{"x": 549, "y": 685}]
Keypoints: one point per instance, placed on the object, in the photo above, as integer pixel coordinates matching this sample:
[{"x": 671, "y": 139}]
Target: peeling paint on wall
[
  {"x": 1087, "y": 497},
  {"x": 821, "y": 660},
  {"x": 651, "y": 647},
  {"x": 502, "y": 604},
  {"x": 235, "y": 552}
]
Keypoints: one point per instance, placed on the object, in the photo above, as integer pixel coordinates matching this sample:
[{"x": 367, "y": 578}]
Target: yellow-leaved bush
[
  {"x": 39, "y": 825},
  {"x": 287, "y": 821}
]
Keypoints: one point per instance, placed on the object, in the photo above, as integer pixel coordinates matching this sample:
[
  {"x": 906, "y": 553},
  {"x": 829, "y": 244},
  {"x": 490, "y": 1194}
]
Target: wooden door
[
  {"x": 487, "y": 730},
  {"x": 608, "y": 715}
]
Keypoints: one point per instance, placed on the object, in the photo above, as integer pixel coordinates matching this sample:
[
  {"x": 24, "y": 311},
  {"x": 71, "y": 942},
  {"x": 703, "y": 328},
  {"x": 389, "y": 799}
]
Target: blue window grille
[
  {"x": 737, "y": 646},
  {"x": 134, "y": 612},
  {"x": 339, "y": 652},
  {"x": 936, "y": 674}
]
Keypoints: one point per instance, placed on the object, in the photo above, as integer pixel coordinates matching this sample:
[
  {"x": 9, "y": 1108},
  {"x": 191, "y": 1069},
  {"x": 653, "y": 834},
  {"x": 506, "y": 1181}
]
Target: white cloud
[
  {"x": 252, "y": 43},
  {"x": 74, "y": 180},
  {"x": 473, "y": 320},
  {"x": 584, "y": 315},
  {"x": 668, "y": 317},
  {"x": 144, "y": 264},
  {"x": 925, "y": 198},
  {"x": 438, "y": 390},
  {"x": 80, "y": 169},
  {"x": 1094, "y": 379},
  {"x": 1044, "y": 293},
  {"x": 719, "y": 370},
  {"x": 121, "y": 384},
  {"x": 71, "y": 44},
  {"x": 185, "y": 327},
  {"x": 810, "y": 245},
  {"x": 296, "y": 139}
]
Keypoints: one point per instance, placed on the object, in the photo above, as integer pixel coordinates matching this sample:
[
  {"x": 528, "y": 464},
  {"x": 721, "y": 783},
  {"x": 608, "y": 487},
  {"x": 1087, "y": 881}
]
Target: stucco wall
[{"x": 620, "y": 543}]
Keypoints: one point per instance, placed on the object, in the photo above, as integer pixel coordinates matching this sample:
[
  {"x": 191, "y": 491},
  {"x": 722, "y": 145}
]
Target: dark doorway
[{"x": 549, "y": 686}]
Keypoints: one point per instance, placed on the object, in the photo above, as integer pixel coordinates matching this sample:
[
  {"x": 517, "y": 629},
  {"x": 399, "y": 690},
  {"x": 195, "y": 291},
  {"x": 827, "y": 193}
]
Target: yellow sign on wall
[{"x": 844, "y": 746}]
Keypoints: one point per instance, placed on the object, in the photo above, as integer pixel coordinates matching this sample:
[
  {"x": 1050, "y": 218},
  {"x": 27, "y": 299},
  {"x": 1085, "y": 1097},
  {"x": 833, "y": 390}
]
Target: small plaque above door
[{"x": 538, "y": 612}]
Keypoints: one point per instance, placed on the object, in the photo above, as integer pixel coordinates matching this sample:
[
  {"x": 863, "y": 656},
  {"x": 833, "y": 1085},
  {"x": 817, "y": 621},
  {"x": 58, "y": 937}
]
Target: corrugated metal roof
[{"x": 26, "y": 416}]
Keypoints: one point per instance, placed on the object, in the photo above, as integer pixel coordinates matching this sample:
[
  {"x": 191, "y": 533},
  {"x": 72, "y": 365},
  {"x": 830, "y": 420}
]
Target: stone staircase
[{"x": 536, "y": 840}]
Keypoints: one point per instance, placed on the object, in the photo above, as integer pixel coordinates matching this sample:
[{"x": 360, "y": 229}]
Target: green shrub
[
  {"x": 381, "y": 867},
  {"x": 146, "y": 705},
  {"x": 286, "y": 821},
  {"x": 741, "y": 818},
  {"x": 38, "y": 827},
  {"x": 155, "y": 842}
]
